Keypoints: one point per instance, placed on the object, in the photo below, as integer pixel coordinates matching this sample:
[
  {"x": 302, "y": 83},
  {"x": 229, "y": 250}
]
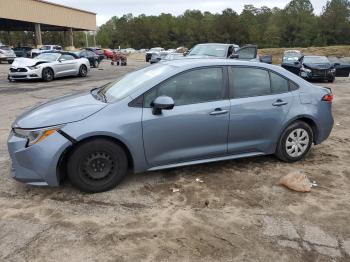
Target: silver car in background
[
  {"x": 49, "y": 66},
  {"x": 7, "y": 54},
  {"x": 175, "y": 113}
]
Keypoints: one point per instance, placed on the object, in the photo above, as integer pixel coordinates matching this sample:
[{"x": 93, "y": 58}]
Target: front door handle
[
  {"x": 280, "y": 102},
  {"x": 218, "y": 111}
]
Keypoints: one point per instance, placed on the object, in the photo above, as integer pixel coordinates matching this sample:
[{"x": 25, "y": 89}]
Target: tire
[
  {"x": 83, "y": 71},
  {"x": 47, "y": 74},
  {"x": 97, "y": 165},
  {"x": 331, "y": 80},
  {"x": 299, "y": 137}
]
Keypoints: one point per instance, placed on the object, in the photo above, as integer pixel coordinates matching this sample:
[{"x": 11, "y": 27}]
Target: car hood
[
  {"x": 318, "y": 66},
  {"x": 21, "y": 62},
  {"x": 62, "y": 110}
]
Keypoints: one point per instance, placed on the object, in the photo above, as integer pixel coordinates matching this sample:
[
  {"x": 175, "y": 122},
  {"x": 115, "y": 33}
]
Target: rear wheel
[
  {"x": 83, "y": 71},
  {"x": 295, "y": 142},
  {"x": 97, "y": 166},
  {"x": 47, "y": 74}
]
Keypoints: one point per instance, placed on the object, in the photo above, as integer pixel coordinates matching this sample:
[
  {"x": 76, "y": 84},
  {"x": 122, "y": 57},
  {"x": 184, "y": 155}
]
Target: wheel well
[
  {"x": 50, "y": 69},
  {"x": 311, "y": 123},
  {"x": 62, "y": 163}
]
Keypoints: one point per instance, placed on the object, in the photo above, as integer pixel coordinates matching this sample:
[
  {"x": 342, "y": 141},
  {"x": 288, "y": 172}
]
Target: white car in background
[
  {"x": 45, "y": 49},
  {"x": 49, "y": 66},
  {"x": 154, "y": 50},
  {"x": 130, "y": 50},
  {"x": 6, "y": 54}
]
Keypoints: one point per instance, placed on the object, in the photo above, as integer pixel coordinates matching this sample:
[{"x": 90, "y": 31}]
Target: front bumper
[
  {"x": 37, "y": 164},
  {"x": 30, "y": 74},
  {"x": 321, "y": 75}
]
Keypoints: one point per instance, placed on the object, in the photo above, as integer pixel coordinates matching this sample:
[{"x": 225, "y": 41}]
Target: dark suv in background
[{"x": 98, "y": 51}]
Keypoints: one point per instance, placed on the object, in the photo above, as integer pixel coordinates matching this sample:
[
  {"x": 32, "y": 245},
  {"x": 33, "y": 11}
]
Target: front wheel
[
  {"x": 295, "y": 142},
  {"x": 83, "y": 71},
  {"x": 97, "y": 165},
  {"x": 47, "y": 74},
  {"x": 331, "y": 80}
]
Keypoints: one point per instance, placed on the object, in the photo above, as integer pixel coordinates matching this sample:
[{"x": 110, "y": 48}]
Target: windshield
[
  {"x": 316, "y": 60},
  {"x": 291, "y": 56},
  {"x": 45, "y": 47},
  {"x": 48, "y": 57},
  {"x": 209, "y": 50},
  {"x": 5, "y": 48},
  {"x": 127, "y": 84}
]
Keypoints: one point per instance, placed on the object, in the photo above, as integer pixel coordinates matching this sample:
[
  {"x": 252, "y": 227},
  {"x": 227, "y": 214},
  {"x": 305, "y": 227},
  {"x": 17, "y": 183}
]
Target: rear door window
[
  {"x": 249, "y": 82},
  {"x": 278, "y": 84}
]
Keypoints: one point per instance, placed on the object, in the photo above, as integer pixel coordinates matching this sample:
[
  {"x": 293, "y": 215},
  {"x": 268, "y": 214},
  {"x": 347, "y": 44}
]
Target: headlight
[
  {"x": 33, "y": 67},
  {"x": 306, "y": 70},
  {"x": 35, "y": 136},
  {"x": 333, "y": 70}
]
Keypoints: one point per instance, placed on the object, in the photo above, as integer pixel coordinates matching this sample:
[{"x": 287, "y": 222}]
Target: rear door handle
[
  {"x": 218, "y": 111},
  {"x": 280, "y": 102}
]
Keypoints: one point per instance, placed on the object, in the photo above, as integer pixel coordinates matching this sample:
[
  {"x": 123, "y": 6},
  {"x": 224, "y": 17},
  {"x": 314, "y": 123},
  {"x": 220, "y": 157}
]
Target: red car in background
[{"x": 108, "y": 53}]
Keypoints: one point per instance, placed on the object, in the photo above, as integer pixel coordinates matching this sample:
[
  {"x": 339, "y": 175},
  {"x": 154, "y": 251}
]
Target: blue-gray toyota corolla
[{"x": 172, "y": 114}]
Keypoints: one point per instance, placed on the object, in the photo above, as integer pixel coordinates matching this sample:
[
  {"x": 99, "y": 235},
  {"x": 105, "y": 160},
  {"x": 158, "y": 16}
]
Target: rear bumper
[{"x": 37, "y": 164}]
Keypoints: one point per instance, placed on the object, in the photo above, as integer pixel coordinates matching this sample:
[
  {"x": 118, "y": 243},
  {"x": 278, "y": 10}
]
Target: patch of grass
[{"x": 277, "y": 53}]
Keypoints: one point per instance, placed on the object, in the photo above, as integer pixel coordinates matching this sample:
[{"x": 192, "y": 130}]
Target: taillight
[{"x": 328, "y": 98}]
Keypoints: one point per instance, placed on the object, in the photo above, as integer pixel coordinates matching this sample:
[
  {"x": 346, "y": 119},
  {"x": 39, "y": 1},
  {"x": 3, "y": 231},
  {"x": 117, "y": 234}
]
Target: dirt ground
[{"x": 226, "y": 211}]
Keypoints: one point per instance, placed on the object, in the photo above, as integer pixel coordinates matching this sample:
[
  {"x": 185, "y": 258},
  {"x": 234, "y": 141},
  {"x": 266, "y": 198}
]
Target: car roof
[
  {"x": 198, "y": 62},
  {"x": 314, "y": 56},
  {"x": 62, "y": 53}
]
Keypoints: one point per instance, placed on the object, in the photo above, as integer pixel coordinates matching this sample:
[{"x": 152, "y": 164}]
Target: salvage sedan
[
  {"x": 48, "y": 66},
  {"x": 313, "y": 68},
  {"x": 171, "y": 114}
]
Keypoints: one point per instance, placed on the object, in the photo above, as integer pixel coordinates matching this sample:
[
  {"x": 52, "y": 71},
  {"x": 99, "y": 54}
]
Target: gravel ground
[{"x": 236, "y": 211}]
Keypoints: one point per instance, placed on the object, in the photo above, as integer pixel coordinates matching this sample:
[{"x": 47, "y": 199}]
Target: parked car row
[
  {"x": 314, "y": 67},
  {"x": 211, "y": 50}
]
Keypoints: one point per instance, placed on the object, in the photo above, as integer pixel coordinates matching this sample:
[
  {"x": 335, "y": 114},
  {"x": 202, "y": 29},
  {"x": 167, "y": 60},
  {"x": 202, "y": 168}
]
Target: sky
[{"x": 105, "y": 9}]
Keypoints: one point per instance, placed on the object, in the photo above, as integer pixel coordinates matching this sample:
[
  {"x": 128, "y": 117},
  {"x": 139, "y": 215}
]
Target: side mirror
[
  {"x": 61, "y": 60},
  {"x": 234, "y": 56},
  {"x": 296, "y": 62},
  {"x": 162, "y": 103}
]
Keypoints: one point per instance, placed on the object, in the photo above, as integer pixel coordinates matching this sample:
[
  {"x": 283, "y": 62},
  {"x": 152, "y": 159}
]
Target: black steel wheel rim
[
  {"x": 48, "y": 74},
  {"x": 97, "y": 166}
]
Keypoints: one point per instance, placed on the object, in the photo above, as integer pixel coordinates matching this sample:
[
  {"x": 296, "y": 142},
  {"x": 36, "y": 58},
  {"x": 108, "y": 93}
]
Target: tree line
[{"x": 296, "y": 25}]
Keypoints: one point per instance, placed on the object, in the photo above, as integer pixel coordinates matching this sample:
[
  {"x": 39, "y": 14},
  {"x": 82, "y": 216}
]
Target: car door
[
  {"x": 248, "y": 53},
  {"x": 260, "y": 101},
  {"x": 197, "y": 127},
  {"x": 66, "y": 65}
]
